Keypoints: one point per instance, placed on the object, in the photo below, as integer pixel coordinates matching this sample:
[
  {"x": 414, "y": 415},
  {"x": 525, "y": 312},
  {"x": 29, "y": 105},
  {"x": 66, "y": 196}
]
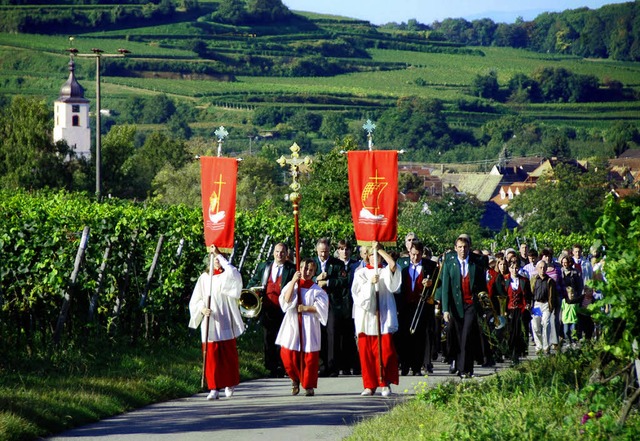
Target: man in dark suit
[
  {"x": 272, "y": 276},
  {"x": 463, "y": 277},
  {"x": 417, "y": 280},
  {"x": 331, "y": 277}
]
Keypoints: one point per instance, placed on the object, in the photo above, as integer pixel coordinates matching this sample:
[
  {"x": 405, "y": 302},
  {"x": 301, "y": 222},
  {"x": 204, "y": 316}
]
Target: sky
[{"x": 427, "y": 11}]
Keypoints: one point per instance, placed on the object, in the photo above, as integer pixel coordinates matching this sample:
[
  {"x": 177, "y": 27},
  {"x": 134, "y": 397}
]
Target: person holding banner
[
  {"x": 376, "y": 320},
  {"x": 302, "y": 299},
  {"x": 214, "y": 307}
]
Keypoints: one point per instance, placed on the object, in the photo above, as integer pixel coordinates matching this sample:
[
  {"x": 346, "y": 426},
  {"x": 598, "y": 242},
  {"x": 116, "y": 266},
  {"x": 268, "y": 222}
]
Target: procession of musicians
[{"x": 386, "y": 313}]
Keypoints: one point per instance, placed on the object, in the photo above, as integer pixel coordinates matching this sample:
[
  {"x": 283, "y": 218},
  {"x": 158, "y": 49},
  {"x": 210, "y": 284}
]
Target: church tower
[{"x": 71, "y": 116}]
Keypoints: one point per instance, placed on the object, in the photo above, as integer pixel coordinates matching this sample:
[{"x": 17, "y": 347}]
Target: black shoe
[
  {"x": 467, "y": 375},
  {"x": 488, "y": 364},
  {"x": 430, "y": 369}
]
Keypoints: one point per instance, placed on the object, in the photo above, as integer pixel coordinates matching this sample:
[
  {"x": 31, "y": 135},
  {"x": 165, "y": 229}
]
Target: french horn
[{"x": 250, "y": 302}]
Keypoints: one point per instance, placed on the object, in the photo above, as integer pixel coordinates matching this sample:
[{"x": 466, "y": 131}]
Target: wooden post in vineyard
[
  {"x": 93, "y": 303},
  {"x": 145, "y": 293},
  {"x": 66, "y": 304},
  {"x": 123, "y": 284}
]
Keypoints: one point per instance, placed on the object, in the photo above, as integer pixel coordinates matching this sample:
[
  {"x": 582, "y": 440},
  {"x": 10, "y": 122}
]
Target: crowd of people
[{"x": 389, "y": 314}]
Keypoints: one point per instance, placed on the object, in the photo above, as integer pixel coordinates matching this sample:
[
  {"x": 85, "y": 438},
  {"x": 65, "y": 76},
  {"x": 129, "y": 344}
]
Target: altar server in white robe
[
  {"x": 312, "y": 307},
  {"x": 222, "y": 370},
  {"x": 366, "y": 281}
]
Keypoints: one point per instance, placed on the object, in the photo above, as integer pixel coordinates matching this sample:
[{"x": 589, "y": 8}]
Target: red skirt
[
  {"x": 308, "y": 379},
  {"x": 370, "y": 361},
  {"x": 222, "y": 368}
]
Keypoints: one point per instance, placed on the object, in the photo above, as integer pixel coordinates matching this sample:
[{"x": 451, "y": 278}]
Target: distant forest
[{"x": 612, "y": 31}]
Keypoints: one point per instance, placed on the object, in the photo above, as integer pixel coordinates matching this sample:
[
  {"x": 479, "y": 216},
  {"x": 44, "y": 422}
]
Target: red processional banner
[
  {"x": 373, "y": 187},
  {"x": 218, "y": 177}
]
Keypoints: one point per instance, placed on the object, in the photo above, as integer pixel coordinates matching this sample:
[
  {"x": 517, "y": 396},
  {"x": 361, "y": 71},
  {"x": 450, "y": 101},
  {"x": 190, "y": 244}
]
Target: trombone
[{"x": 424, "y": 298}]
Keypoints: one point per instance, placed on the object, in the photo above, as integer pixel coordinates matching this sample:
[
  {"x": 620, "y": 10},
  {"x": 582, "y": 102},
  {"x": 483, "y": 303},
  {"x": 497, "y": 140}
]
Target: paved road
[{"x": 259, "y": 410}]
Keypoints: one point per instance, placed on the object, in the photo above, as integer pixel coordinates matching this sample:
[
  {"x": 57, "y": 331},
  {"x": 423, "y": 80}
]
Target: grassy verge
[
  {"x": 549, "y": 398},
  {"x": 47, "y": 394}
]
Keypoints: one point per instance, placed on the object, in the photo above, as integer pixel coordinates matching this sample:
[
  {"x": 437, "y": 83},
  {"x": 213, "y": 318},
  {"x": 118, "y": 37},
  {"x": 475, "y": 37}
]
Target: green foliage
[
  {"x": 566, "y": 199},
  {"x": 48, "y": 392},
  {"x": 486, "y": 86},
  {"x": 547, "y": 398},
  {"x": 619, "y": 231},
  {"x": 325, "y": 190},
  {"x": 416, "y": 124},
  {"x": 439, "y": 221},
  {"x": 28, "y": 156},
  {"x": 117, "y": 147}
]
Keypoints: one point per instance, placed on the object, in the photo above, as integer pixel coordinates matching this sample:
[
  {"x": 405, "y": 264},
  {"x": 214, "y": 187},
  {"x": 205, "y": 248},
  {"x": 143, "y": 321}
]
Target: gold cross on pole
[{"x": 295, "y": 165}]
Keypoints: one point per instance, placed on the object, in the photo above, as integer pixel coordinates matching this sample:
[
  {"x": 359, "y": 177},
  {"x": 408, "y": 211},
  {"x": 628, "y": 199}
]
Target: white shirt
[
  {"x": 225, "y": 321},
  {"x": 364, "y": 300},
  {"x": 289, "y": 333}
]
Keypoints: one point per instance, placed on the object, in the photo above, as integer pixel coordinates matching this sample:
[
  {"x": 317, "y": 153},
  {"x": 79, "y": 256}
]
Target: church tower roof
[{"x": 72, "y": 91}]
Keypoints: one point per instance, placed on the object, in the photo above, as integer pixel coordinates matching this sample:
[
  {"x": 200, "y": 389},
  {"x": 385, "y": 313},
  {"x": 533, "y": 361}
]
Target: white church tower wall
[{"x": 71, "y": 116}]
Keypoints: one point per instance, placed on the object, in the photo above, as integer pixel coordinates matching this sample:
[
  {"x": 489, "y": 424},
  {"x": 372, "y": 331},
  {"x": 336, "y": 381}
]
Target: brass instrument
[
  {"x": 499, "y": 321},
  {"x": 425, "y": 298},
  {"x": 250, "y": 302}
]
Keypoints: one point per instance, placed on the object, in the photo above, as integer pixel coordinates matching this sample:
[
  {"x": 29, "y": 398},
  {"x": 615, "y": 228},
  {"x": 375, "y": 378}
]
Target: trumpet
[{"x": 250, "y": 302}]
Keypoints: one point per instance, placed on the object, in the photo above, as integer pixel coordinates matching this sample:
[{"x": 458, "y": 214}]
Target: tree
[
  {"x": 439, "y": 221},
  {"x": 325, "y": 190},
  {"x": 305, "y": 121},
  {"x": 158, "y": 151},
  {"x": 117, "y": 147},
  {"x": 621, "y": 135},
  {"x": 28, "y": 156},
  {"x": 259, "y": 180},
  {"x": 415, "y": 124},
  {"x": 231, "y": 11},
  {"x": 523, "y": 89},
  {"x": 158, "y": 109},
  {"x": 333, "y": 126},
  {"x": 268, "y": 11},
  {"x": 486, "y": 86},
  {"x": 567, "y": 200},
  {"x": 556, "y": 144}
]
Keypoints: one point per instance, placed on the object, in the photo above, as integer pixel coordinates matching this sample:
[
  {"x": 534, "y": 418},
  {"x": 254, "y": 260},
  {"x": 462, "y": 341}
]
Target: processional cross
[
  {"x": 221, "y": 133},
  {"x": 369, "y": 126}
]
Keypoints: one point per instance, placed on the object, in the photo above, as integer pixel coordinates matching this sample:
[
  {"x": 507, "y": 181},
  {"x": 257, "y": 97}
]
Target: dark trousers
[
  {"x": 328, "y": 364},
  {"x": 345, "y": 347},
  {"x": 271, "y": 319},
  {"x": 465, "y": 329}
]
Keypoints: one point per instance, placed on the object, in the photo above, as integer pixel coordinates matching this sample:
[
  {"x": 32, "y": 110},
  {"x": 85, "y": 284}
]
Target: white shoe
[
  {"x": 367, "y": 392},
  {"x": 228, "y": 392},
  {"x": 386, "y": 391},
  {"x": 213, "y": 395}
]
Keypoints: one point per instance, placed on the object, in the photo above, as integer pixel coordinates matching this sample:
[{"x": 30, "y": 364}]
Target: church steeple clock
[{"x": 71, "y": 113}]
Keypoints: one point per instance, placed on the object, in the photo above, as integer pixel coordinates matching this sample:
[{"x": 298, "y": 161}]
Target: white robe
[
  {"x": 288, "y": 336},
  {"x": 225, "y": 321},
  {"x": 364, "y": 300}
]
